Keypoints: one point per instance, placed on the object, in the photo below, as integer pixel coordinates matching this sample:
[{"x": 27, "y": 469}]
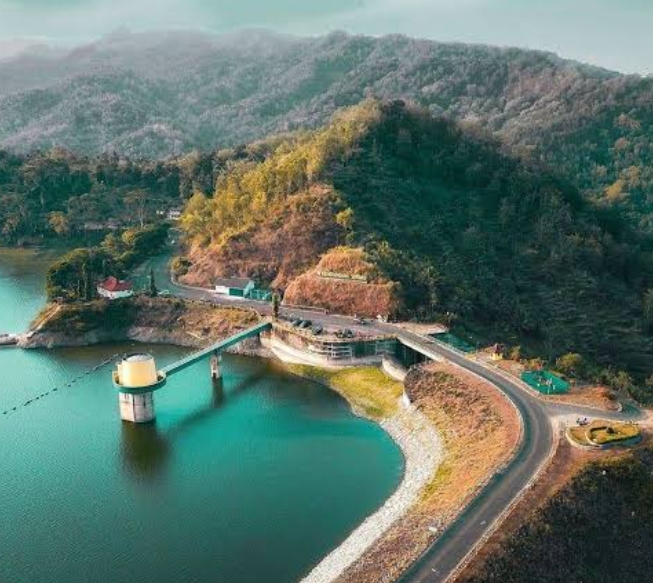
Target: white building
[
  {"x": 239, "y": 287},
  {"x": 114, "y": 289}
]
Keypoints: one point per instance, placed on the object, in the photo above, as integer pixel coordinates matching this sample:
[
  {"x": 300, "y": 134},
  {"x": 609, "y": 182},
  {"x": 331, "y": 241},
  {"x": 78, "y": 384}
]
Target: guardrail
[{"x": 315, "y": 309}]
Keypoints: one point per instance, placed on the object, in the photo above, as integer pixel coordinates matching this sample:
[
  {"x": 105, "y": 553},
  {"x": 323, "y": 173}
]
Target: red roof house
[{"x": 113, "y": 288}]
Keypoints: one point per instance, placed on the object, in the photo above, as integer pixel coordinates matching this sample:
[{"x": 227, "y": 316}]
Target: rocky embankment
[
  {"x": 146, "y": 320},
  {"x": 480, "y": 431}
]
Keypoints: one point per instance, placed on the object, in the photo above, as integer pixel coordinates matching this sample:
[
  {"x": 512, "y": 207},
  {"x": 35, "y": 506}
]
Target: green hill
[{"x": 465, "y": 229}]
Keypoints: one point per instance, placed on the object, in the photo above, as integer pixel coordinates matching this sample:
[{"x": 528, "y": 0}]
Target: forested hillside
[
  {"x": 468, "y": 231},
  {"x": 57, "y": 194},
  {"x": 157, "y": 95}
]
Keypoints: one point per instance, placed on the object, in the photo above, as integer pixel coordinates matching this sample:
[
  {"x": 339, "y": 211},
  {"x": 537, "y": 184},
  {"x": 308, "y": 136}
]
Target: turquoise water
[{"x": 254, "y": 481}]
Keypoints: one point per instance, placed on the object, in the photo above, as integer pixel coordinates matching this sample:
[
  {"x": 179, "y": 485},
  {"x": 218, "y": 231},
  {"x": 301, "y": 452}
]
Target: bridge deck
[
  {"x": 222, "y": 345},
  {"x": 423, "y": 345}
]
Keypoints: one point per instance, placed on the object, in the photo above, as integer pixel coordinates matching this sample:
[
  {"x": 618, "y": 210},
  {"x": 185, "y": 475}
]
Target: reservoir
[{"x": 254, "y": 482}]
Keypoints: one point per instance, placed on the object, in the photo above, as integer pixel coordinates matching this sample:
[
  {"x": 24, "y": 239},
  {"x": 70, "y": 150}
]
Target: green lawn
[{"x": 366, "y": 388}]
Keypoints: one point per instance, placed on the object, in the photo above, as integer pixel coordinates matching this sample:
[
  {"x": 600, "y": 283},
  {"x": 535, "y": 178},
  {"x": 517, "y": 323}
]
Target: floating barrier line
[{"x": 69, "y": 383}]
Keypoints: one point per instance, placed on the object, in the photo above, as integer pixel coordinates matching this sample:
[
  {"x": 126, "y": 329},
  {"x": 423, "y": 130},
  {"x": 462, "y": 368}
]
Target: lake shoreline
[
  {"x": 423, "y": 450},
  {"x": 410, "y": 430}
]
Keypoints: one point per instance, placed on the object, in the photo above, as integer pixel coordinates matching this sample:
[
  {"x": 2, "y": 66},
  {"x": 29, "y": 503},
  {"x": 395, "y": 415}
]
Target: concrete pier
[
  {"x": 216, "y": 366},
  {"x": 136, "y": 380},
  {"x": 137, "y": 408}
]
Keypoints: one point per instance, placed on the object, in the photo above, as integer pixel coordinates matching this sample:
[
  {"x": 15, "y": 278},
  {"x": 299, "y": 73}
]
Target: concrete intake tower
[{"x": 136, "y": 379}]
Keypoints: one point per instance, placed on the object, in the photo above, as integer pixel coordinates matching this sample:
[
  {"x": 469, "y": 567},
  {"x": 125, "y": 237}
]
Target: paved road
[
  {"x": 164, "y": 282},
  {"x": 452, "y": 546}
]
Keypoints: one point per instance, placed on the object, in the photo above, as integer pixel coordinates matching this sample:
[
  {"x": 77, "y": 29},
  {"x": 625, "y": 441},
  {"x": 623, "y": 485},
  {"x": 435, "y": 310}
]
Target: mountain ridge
[{"x": 148, "y": 97}]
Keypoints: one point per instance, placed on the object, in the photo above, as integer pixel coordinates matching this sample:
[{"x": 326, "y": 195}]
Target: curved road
[
  {"x": 452, "y": 546},
  {"x": 441, "y": 559}
]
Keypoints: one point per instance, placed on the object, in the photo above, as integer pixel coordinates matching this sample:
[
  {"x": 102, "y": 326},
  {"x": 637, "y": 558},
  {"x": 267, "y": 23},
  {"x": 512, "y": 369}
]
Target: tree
[
  {"x": 571, "y": 364},
  {"x": 72, "y": 276},
  {"x": 514, "y": 353},
  {"x": 276, "y": 302},
  {"x": 59, "y": 223},
  {"x": 137, "y": 200},
  {"x": 153, "y": 289},
  {"x": 622, "y": 381},
  {"x": 647, "y": 309}
]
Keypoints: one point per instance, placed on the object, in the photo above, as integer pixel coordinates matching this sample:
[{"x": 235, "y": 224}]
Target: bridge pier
[
  {"x": 137, "y": 378},
  {"x": 216, "y": 366}
]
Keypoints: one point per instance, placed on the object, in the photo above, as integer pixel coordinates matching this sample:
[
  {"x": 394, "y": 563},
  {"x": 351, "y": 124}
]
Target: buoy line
[{"x": 69, "y": 383}]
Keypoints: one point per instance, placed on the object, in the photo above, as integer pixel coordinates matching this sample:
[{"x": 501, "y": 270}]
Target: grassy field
[
  {"x": 603, "y": 432},
  {"x": 595, "y": 529},
  {"x": 368, "y": 389}
]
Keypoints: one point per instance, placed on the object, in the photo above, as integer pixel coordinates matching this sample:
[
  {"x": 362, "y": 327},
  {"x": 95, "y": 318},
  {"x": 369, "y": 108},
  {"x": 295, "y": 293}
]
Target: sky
[{"x": 616, "y": 34}]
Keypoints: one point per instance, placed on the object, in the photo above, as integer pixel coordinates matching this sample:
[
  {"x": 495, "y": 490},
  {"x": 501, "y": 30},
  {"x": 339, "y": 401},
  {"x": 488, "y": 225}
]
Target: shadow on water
[{"x": 146, "y": 449}]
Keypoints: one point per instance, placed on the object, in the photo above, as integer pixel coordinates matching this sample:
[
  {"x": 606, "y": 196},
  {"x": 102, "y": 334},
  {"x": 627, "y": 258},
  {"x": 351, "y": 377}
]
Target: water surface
[{"x": 251, "y": 481}]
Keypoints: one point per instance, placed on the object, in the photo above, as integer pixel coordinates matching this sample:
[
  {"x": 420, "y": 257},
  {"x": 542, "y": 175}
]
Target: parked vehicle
[
  {"x": 304, "y": 324},
  {"x": 348, "y": 333},
  {"x": 165, "y": 293},
  {"x": 317, "y": 330}
]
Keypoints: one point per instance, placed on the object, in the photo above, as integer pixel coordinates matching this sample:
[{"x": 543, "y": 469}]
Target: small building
[
  {"x": 497, "y": 351},
  {"x": 239, "y": 287},
  {"x": 174, "y": 214},
  {"x": 115, "y": 289}
]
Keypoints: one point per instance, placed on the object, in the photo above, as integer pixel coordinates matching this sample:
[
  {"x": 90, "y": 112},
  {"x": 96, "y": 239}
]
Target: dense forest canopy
[
  {"x": 158, "y": 95},
  {"x": 466, "y": 229},
  {"x": 58, "y": 194},
  {"x": 76, "y": 274}
]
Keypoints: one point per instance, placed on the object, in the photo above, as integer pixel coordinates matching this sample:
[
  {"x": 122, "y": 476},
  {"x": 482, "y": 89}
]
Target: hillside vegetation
[
  {"x": 61, "y": 195},
  {"x": 468, "y": 231},
  {"x": 158, "y": 95},
  {"x": 597, "y": 529}
]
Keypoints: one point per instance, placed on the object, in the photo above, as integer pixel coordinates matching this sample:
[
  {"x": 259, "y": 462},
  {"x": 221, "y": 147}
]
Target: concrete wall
[
  {"x": 137, "y": 408},
  {"x": 295, "y": 355},
  {"x": 114, "y": 295},
  {"x": 394, "y": 368}
]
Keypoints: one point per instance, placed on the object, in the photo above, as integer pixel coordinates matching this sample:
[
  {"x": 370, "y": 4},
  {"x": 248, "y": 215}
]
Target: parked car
[
  {"x": 347, "y": 333},
  {"x": 358, "y": 320},
  {"x": 165, "y": 293},
  {"x": 317, "y": 330},
  {"x": 304, "y": 324}
]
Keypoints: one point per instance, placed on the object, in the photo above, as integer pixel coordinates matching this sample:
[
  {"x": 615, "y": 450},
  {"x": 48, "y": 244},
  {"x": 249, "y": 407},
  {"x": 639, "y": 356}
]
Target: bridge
[
  {"x": 136, "y": 377},
  {"x": 217, "y": 347}
]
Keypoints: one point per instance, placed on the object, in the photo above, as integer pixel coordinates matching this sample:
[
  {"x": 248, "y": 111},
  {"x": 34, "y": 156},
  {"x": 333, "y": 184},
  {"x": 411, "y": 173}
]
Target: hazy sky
[{"x": 617, "y": 34}]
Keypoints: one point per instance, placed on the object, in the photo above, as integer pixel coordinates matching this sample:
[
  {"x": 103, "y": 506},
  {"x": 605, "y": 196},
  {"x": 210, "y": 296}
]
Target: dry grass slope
[{"x": 480, "y": 430}]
